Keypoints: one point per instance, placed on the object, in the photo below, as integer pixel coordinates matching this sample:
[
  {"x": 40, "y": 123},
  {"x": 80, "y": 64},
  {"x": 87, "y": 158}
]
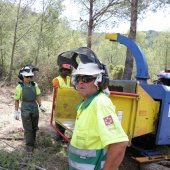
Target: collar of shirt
[
  {"x": 88, "y": 101},
  {"x": 30, "y": 85}
]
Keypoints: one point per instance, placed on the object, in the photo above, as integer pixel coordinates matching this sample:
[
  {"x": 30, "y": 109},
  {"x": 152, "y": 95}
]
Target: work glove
[
  {"x": 42, "y": 108},
  {"x": 16, "y": 115}
]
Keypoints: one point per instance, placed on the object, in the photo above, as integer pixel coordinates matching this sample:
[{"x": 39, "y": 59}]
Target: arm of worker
[
  {"x": 16, "y": 113},
  {"x": 55, "y": 82},
  {"x": 16, "y": 105},
  {"x": 115, "y": 155},
  {"x": 42, "y": 108}
]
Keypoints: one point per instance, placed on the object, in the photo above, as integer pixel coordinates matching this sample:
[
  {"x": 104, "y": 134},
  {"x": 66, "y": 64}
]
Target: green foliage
[
  {"x": 150, "y": 36},
  {"x": 57, "y": 37},
  {"x": 44, "y": 141},
  {"x": 160, "y": 56},
  {"x": 110, "y": 52},
  {"x": 162, "y": 49},
  {"x": 46, "y": 155},
  {"x": 10, "y": 160},
  {"x": 111, "y": 68},
  {"x": 117, "y": 72}
]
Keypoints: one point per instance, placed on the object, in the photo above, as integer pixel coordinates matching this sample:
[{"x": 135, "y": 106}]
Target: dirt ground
[{"x": 9, "y": 127}]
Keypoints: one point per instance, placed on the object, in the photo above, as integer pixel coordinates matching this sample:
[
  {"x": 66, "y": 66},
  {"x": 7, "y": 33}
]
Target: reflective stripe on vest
[
  {"x": 81, "y": 166},
  {"x": 81, "y": 152},
  {"x": 86, "y": 159}
]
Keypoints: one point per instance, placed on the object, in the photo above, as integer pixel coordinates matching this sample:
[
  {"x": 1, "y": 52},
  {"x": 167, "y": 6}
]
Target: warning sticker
[{"x": 108, "y": 120}]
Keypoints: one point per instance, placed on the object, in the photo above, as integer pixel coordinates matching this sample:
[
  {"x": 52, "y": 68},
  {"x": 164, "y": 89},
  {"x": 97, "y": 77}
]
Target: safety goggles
[
  {"x": 28, "y": 77},
  {"x": 85, "y": 79}
]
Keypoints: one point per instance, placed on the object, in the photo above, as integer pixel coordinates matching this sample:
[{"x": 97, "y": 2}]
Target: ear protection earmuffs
[
  {"x": 31, "y": 67},
  {"x": 20, "y": 76}
]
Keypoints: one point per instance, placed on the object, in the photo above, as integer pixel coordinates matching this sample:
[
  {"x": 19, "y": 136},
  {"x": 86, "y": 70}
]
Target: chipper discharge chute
[{"x": 158, "y": 92}]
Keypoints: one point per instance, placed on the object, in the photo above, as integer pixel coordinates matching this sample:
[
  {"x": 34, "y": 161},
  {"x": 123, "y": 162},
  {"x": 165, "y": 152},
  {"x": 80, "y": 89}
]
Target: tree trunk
[
  {"x": 2, "y": 65},
  {"x": 90, "y": 27},
  {"x": 132, "y": 35},
  {"x": 40, "y": 34},
  {"x": 2, "y": 57},
  {"x": 39, "y": 40},
  {"x": 14, "y": 44}
]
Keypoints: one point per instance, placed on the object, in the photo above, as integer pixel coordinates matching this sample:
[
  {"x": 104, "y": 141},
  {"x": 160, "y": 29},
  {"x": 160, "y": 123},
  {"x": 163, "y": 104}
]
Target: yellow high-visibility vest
[
  {"x": 62, "y": 83},
  {"x": 97, "y": 124}
]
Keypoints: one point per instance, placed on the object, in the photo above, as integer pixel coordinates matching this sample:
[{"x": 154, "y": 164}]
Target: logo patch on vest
[{"x": 108, "y": 120}]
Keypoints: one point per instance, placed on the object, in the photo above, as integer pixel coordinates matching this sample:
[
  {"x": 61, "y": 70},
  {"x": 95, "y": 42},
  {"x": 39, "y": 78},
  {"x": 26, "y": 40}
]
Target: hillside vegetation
[{"x": 30, "y": 37}]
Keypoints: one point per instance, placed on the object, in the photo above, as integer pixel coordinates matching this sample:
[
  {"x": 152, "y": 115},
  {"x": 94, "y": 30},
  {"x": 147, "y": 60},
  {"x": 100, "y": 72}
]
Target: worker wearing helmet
[
  {"x": 29, "y": 93},
  {"x": 63, "y": 80},
  {"x": 98, "y": 141}
]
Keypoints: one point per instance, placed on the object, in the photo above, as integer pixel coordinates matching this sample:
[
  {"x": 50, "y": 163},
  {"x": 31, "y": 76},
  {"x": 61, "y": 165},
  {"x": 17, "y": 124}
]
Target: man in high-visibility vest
[
  {"x": 98, "y": 141},
  {"x": 63, "y": 80}
]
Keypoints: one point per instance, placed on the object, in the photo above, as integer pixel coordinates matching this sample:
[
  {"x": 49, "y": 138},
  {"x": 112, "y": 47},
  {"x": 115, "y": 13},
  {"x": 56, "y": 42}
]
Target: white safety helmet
[
  {"x": 26, "y": 71},
  {"x": 87, "y": 69}
]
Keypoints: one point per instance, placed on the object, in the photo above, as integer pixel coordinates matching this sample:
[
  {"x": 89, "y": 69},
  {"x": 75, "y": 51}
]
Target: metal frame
[{"x": 52, "y": 115}]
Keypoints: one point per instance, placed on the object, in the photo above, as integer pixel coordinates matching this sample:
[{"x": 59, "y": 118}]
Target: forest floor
[{"x": 12, "y": 138}]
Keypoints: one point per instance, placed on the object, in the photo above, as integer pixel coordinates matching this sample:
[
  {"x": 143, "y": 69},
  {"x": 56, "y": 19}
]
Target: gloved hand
[
  {"x": 16, "y": 115},
  {"x": 43, "y": 109}
]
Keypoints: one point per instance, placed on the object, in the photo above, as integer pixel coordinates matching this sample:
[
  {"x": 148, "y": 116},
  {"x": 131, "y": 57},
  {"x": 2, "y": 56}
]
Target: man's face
[
  {"x": 65, "y": 72},
  {"x": 27, "y": 79},
  {"x": 86, "y": 88}
]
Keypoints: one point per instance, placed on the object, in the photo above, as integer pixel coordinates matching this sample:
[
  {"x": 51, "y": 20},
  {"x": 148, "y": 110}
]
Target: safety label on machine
[{"x": 120, "y": 115}]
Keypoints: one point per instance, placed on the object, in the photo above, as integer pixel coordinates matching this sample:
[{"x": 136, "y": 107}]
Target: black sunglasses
[
  {"x": 85, "y": 79},
  {"x": 28, "y": 77},
  {"x": 65, "y": 69}
]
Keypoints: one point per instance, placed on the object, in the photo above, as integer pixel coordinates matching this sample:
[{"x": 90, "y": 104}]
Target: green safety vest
[
  {"x": 18, "y": 91},
  {"x": 29, "y": 104}
]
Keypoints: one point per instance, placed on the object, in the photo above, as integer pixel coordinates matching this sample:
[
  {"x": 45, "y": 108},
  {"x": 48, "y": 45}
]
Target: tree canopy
[{"x": 31, "y": 37}]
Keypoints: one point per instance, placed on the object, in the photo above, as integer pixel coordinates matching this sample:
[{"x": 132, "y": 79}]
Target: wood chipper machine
[{"x": 143, "y": 109}]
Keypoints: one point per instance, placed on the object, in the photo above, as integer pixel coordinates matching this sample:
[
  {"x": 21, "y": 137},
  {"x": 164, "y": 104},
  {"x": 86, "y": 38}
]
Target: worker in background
[
  {"x": 29, "y": 93},
  {"x": 63, "y": 80},
  {"x": 98, "y": 141}
]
